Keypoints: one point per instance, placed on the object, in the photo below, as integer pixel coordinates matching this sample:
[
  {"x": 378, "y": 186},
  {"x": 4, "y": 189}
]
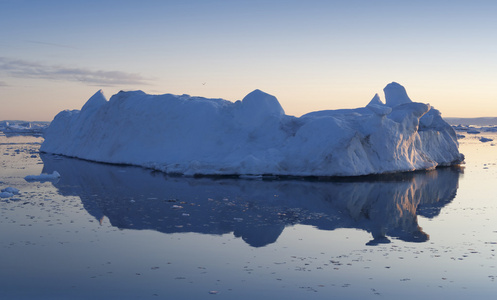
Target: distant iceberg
[
  {"x": 22, "y": 128},
  {"x": 200, "y": 136}
]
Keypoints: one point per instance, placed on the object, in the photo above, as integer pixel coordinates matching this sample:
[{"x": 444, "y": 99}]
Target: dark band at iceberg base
[
  {"x": 256, "y": 210},
  {"x": 194, "y": 135}
]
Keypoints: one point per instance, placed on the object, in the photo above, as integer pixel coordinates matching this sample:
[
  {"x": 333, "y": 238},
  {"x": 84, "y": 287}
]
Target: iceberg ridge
[{"x": 195, "y": 135}]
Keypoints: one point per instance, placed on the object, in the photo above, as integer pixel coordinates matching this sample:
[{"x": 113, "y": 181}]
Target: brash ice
[{"x": 195, "y": 135}]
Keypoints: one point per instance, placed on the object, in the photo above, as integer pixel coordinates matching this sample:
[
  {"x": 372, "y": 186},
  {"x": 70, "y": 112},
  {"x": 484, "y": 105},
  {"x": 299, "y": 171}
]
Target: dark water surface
[{"x": 116, "y": 232}]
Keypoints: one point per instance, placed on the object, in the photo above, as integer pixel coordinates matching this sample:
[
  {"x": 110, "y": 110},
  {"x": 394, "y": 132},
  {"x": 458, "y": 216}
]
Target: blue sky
[{"x": 311, "y": 55}]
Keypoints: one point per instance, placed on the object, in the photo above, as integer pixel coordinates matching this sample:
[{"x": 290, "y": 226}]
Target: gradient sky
[{"x": 311, "y": 55}]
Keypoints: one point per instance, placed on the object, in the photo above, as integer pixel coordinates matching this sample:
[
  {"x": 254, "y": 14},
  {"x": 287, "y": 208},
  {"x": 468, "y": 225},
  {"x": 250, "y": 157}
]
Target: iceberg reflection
[{"x": 255, "y": 210}]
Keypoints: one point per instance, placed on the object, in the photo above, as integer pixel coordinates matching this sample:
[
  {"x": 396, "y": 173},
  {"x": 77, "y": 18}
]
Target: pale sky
[{"x": 311, "y": 55}]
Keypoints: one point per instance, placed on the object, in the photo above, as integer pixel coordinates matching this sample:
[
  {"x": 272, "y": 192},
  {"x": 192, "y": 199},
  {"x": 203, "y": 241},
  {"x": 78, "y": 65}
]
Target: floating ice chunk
[
  {"x": 43, "y": 177},
  {"x": 11, "y": 190},
  {"x": 460, "y": 127},
  {"x": 6, "y": 195},
  {"x": 484, "y": 139}
]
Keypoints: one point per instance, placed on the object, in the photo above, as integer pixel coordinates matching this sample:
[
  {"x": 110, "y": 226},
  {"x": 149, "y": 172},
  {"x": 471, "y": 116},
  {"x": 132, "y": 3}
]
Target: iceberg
[
  {"x": 181, "y": 134},
  {"x": 11, "y": 128}
]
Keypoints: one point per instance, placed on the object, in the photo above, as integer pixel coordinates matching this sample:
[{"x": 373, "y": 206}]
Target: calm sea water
[{"x": 116, "y": 232}]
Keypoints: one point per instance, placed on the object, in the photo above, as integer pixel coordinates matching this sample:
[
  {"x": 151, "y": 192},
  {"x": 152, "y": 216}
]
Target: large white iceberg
[{"x": 194, "y": 135}]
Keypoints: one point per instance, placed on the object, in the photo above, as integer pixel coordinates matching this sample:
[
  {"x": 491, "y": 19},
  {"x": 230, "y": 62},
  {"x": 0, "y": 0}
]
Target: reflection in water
[{"x": 255, "y": 210}]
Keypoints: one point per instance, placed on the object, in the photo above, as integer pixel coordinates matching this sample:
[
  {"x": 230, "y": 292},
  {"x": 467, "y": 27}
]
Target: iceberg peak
[
  {"x": 258, "y": 102},
  {"x": 378, "y": 107},
  {"x": 95, "y": 101},
  {"x": 376, "y": 100},
  {"x": 395, "y": 94}
]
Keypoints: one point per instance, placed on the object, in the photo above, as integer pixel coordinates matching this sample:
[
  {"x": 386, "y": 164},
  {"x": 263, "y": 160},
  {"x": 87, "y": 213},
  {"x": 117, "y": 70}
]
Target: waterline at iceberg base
[{"x": 194, "y": 135}]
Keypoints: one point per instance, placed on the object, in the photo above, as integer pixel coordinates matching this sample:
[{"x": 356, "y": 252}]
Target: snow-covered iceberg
[{"x": 195, "y": 135}]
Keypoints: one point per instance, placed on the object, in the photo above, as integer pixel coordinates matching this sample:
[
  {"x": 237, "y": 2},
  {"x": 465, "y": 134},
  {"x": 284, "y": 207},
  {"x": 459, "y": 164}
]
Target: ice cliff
[{"x": 194, "y": 135}]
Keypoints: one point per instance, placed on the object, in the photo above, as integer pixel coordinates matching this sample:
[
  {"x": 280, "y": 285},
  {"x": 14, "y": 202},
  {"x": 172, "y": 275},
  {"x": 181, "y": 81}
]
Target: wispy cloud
[
  {"x": 51, "y": 44},
  {"x": 29, "y": 69}
]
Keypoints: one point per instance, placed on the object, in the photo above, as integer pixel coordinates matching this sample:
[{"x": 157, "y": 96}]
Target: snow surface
[{"x": 194, "y": 135}]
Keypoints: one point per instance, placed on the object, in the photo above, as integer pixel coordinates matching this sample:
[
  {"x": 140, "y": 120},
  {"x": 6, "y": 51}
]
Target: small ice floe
[
  {"x": 43, "y": 177},
  {"x": 238, "y": 219},
  {"x": 460, "y": 136},
  {"x": 11, "y": 190},
  {"x": 176, "y": 207},
  {"x": 491, "y": 129},
  {"x": 473, "y": 131},
  {"x": 6, "y": 195},
  {"x": 484, "y": 140},
  {"x": 460, "y": 127}
]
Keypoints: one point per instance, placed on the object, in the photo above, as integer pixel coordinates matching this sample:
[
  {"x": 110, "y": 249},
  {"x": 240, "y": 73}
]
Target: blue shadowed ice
[{"x": 195, "y": 135}]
